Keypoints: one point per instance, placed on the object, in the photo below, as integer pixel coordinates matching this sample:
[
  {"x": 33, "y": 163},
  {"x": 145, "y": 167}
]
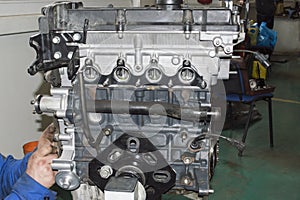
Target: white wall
[
  {"x": 18, "y": 21},
  {"x": 18, "y": 124}
]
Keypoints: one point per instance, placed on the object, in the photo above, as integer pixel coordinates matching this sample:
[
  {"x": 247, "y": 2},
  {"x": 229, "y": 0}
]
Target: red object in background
[
  {"x": 204, "y": 1},
  {"x": 29, "y": 147}
]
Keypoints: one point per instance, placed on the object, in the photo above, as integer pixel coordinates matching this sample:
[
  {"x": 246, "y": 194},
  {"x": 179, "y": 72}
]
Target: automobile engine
[{"x": 136, "y": 95}]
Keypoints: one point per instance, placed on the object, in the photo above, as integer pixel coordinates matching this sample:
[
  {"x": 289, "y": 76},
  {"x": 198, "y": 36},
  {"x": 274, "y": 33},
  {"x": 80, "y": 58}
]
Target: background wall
[{"x": 18, "y": 21}]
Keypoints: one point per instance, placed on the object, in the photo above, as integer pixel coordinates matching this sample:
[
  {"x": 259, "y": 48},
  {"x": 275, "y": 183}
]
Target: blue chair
[{"x": 238, "y": 91}]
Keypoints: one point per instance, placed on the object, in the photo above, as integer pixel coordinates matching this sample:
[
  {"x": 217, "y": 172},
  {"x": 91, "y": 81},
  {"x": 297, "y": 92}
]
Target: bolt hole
[
  {"x": 133, "y": 145},
  {"x": 162, "y": 176}
]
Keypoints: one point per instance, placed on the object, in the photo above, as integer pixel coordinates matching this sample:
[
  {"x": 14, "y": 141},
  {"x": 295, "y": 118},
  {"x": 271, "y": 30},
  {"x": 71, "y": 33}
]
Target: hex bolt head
[
  {"x": 186, "y": 180},
  {"x": 106, "y": 132},
  {"x": 187, "y": 160},
  {"x": 105, "y": 171},
  {"x": 57, "y": 55},
  {"x": 228, "y": 49},
  {"x": 77, "y": 37},
  {"x": 56, "y": 40},
  {"x": 217, "y": 41}
]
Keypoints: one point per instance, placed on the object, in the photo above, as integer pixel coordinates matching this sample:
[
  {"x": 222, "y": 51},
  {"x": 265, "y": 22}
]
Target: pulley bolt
[
  {"x": 105, "y": 171},
  {"x": 57, "y": 55}
]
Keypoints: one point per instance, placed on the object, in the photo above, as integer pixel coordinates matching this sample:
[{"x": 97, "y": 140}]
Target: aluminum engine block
[{"x": 136, "y": 93}]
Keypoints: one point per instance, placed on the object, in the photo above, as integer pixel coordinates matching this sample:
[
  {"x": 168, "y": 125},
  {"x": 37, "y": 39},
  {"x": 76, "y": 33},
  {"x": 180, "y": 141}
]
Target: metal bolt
[
  {"x": 56, "y": 40},
  {"x": 77, "y": 37},
  {"x": 88, "y": 61},
  {"x": 105, "y": 171},
  {"x": 212, "y": 54},
  {"x": 135, "y": 163},
  {"x": 183, "y": 135},
  {"x": 57, "y": 55},
  {"x": 187, "y": 160},
  {"x": 203, "y": 85},
  {"x": 107, "y": 132},
  {"x": 228, "y": 49},
  {"x": 217, "y": 42},
  {"x": 120, "y": 61},
  {"x": 186, "y": 180},
  {"x": 70, "y": 55}
]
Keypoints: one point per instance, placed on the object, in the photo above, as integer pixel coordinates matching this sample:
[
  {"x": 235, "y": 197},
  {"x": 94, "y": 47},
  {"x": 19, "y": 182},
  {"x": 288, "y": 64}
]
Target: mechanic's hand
[{"x": 39, "y": 163}]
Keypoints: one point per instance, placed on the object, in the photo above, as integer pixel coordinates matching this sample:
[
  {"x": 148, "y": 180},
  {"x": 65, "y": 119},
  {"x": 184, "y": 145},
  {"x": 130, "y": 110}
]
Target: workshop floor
[{"x": 264, "y": 173}]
